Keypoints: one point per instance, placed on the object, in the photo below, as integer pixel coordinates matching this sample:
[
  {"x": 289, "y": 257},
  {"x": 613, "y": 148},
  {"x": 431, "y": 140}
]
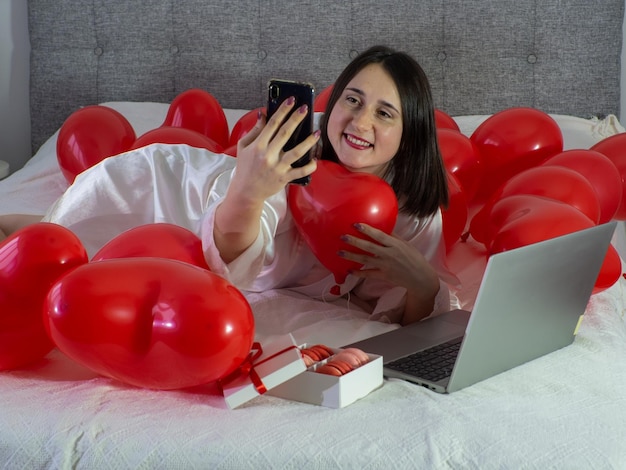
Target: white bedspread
[{"x": 564, "y": 410}]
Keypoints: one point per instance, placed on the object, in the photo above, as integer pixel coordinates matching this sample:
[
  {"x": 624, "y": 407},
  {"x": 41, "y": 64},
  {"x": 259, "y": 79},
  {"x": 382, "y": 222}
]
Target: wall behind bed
[
  {"x": 15, "y": 136},
  {"x": 481, "y": 55}
]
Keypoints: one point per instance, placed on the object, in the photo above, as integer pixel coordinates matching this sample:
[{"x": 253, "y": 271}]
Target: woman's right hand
[{"x": 262, "y": 170}]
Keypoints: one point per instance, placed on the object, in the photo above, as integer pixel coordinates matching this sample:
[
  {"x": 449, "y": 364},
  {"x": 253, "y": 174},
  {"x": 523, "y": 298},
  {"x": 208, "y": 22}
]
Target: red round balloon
[
  {"x": 90, "y": 135},
  {"x": 600, "y": 172},
  {"x": 614, "y": 148},
  {"x": 454, "y": 218},
  {"x": 199, "y": 111},
  {"x": 332, "y": 203},
  {"x": 156, "y": 240},
  {"x": 321, "y": 100},
  {"x": 514, "y": 140},
  {"x": 150, "y": 322},
  {"x": 243, "y": 125},
  {"x": 460, "y": 157},
  {"x": 177, "y": 135},
  {"x": 445, "y": 121},
  {"x": 31, "y": 260}
]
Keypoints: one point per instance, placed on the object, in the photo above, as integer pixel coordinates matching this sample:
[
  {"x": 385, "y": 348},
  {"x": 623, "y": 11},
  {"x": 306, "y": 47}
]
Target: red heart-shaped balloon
[
  {"x": 155, "y": 240},
  {"x": 454, "y": 217},
  {"x": 613, "y": 147},
  {"x": 539, "y": 219},
  {"x": 321, "y": 100},
  {"x": 90, "y": 135},
  {"x": 31, "y": 260},
  {"x": 460, "y": 157},
  {"x": 528, "y": 219},
  {"x": 552, "y": 182},
  {"x": 444, "y": 121},
  {"x": 199, "y": 111},
  {"x": 610, "y": 272},
  {"x": 600, "y": 172},
  {"x": 177, "y": 135},
  {"x": 150, "y": 322},
  {"x": 332, "y": 203}
]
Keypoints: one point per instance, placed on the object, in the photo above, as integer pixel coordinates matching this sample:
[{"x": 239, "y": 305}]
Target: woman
[{"x": 379, "y": 119}]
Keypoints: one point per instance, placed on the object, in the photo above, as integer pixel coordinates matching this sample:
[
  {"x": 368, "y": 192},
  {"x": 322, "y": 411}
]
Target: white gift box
[
  {"x": 278, "y": 362},
  {"x": 332, "y": 391},
  {"x": 280, "y": 371}
]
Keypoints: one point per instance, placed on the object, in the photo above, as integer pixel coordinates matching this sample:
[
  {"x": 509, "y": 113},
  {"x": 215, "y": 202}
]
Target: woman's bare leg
[{"x": 13, "y": 222}]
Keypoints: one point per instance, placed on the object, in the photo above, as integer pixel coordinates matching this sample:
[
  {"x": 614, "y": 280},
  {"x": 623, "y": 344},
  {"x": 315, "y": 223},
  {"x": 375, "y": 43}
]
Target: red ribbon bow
[{"x": 247, "y": 367}]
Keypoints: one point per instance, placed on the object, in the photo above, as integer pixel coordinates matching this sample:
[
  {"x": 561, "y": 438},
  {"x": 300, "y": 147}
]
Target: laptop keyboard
[{"x": 431, "y": 364}]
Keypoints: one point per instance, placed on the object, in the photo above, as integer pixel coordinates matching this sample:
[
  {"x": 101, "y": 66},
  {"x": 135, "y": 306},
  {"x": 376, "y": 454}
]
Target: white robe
[{"x": 184, "y": 185}]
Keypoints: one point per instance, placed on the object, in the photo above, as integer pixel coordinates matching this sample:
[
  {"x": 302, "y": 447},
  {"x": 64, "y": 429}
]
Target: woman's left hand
[{"x": 395, "y": 261}]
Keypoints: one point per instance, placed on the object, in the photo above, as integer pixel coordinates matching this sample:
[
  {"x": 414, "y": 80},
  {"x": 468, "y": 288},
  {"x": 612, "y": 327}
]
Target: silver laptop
[{"x": 530, "y": 303}]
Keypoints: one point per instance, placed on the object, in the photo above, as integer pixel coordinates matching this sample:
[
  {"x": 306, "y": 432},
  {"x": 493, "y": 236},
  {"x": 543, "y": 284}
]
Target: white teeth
[{"x": 354, "y": 140}]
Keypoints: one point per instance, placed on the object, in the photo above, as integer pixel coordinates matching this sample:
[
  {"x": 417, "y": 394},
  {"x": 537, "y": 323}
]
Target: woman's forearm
[
  {"x": 237, "y": 225},
  {"x": 420, "y": 303}
]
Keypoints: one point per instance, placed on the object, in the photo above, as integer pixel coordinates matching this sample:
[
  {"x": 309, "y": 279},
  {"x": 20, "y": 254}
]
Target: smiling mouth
[{"x": 356, "y": 142}]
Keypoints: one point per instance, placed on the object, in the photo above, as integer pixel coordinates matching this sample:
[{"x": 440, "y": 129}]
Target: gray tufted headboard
[{"x": 482, "y": 56}]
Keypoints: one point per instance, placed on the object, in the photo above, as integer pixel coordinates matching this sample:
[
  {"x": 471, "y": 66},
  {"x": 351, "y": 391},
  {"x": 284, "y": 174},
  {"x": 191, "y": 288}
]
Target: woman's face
[{"x": 365, "y": 125}]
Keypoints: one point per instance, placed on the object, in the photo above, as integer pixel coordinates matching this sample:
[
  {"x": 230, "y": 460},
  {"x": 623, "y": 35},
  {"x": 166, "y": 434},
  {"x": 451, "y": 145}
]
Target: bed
[{"x": 564, "y": 410}]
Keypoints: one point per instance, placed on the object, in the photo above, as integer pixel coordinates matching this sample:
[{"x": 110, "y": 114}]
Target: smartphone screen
[{"x": 304, "y": 93}]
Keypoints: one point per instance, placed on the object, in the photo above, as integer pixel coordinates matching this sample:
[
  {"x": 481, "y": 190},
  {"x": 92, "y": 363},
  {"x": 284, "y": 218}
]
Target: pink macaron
[
  {"x": 355, "y": 357},
  {"x": 334, "y": 367}
]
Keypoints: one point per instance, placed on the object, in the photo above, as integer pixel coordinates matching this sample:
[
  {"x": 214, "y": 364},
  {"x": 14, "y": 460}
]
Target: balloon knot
[
  {"x": 465, "y": 236},
  {"x": 335, "y": 290}
]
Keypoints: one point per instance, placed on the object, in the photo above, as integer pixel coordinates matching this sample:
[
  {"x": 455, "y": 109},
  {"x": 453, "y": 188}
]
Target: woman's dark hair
[{"x": 416, "y": 173}]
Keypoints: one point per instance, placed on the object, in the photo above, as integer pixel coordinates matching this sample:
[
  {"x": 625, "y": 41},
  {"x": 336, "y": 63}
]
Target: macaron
[
  {"x": 313, "y": 355},
  {"x": 323, "y": 351},
  {"x": 348, "y": 357},
  {"x": 343, "y": 366},
  {"x": 334, "y": 367},
  {"x": 328, "y": 369},
  {"x": 307, "y": 360},
  {"x": 357, "y": 355}
]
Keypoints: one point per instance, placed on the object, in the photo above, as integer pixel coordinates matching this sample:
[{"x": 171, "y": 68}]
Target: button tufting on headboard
[{"x": 470, "y": 50}]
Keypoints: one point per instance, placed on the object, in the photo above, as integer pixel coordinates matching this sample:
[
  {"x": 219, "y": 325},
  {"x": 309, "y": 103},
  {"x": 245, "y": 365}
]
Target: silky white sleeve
[
  {"x": 244, "y": 270},
  {"x": 154, "y": 184}
]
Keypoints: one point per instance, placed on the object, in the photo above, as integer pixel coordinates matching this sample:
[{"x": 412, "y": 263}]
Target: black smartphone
[{"x": 304, "y": 93}]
